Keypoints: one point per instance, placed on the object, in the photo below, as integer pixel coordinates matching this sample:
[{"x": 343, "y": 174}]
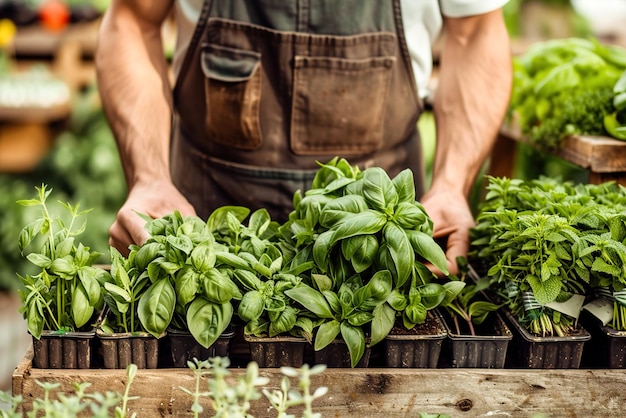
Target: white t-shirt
[{"x": 422, "y": 20}]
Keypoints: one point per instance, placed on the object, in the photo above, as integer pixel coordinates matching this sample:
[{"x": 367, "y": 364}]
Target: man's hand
[
  {"x": 154, "y": 200},
  {"x": 453, "y": 219}
]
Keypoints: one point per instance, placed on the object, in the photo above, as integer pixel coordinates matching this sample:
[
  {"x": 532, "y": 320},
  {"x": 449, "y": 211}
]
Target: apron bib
[{"x": 269, "y": 88}]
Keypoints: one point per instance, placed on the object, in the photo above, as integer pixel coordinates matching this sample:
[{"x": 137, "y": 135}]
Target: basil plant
[
  {"x": 188, "y": 288},
  {"x": 65, "y": 294},
  {"x": 257, "y": 264},
  {"x": 357, "y": 226}
]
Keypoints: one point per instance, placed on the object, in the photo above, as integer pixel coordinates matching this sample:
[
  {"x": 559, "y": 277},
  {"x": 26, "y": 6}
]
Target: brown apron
[{"x": 268, "y": 88}]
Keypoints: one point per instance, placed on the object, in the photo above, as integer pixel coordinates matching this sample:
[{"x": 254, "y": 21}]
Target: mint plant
[
  {"x": 65, "y": 294},
  {"x": 546, "y": 240}
]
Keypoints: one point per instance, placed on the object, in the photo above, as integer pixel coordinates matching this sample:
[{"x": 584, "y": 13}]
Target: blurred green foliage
[{"x": 83, "y": 166}]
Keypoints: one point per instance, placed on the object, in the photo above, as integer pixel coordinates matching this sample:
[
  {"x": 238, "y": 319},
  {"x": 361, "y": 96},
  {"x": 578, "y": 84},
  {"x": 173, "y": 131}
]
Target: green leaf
[
  {"x": 311, "y": 299},
  {"x": 156, "y": 307},
  {"x": 397, "y": 300},
  {"x": 182, "y": 243},
  {"x": 401, "y": 251},
  {"x": 405, "y": 186},
  {"x": 362, "y": 250},
  {"x": 218, "y": 220},
  {"x": 322, "y": 282},
  {"x": 326, "y": 334},
  {"x": 432, "y": 294},
  {"x": 39, "y": 260},
  {"x": 34, "y": 319},
  {"x": 207, "y": 320},
  {"x": 426, "y": 246},
  {"x": 378, "y": 190},
  {"x": 283, "y": 322},
  {"x": 384, "y": 319},
  {"x": 545, "y": 291},
  {"x": 364, "y": 223},
  {"x": 82, "y": 310},
  {"x": 186, "y": 285},
  {"x": 251, "y": 306},
  {"x": 203, "y": 256},
  {"x": 338, "y": 209},
  {"x": 217, "y": 287},
  {"x": 88, "y": 278},
  {"x": 354, "y": 338},
  {"x": 322, "y": 248}
]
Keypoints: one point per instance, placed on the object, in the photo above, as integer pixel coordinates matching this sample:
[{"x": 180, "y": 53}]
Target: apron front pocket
[
  {"x": 339, "y": 104},
  {"x": 233, "y": 96}
]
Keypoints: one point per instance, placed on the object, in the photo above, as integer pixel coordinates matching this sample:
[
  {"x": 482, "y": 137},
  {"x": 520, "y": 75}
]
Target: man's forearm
[
  {"x": 135, "y": 92},
  {"x": 471, "y": 100}
]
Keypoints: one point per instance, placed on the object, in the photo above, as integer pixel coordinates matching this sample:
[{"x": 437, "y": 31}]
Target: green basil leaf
[
  {"x": 358, "y": 319},
  {"x": 203, "y": 256},
  {"x": 248, "y": 279},
  {"x": 355, "y": 340},
  {"x": 146, "y": 254},
  {"x": 218, "y": 220},
  {"x": 409, "y": 215},
  {"x": 82, "y": 310},
  {"x": 432, "y": 294},
  {"x": 284, "y": 322},
  {"x": 88, "y": 278},
  {"x": 453, "y": 289},
  {"x": 416, "y": 313},
  {"x": 426, "y": 246},
  {"x": 39, "y": 260},
  {"x": 322, "y": 248},
  {"x": 322, "y": 282},
  {"x": 182, "y": 243},
  {"x": 361, "y": 250},
  {"x": 311, "y": 299},
  {"x": 337, "y": 209},
  {"x": 364, "y": 223},
  {"x": 326, "y": 334},
  {"x": 207, "y": 320},
  {"x": 251, "y": 306},
  {"x": 378, "y": 190},
  {"x": 382, "y": 323},
  {"x": 397, "y": 300},
  {"x": 34, "y": 318},
  {"x": 156, "y": 307},
  {"x": 405, "y": 186},
  {"x": 217, "y": 287},
  {"x": 186, "y": 285},
  {"x": 401, "y": 251},
  {"x": 333, "y": 300}
]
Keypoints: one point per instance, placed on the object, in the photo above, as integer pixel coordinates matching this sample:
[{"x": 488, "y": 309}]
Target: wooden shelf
[
  {"x": 604, "y": 157},
  {"x": 385, "y": 393}
]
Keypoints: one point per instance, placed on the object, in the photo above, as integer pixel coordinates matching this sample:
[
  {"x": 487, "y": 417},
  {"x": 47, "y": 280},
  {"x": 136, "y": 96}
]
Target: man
[{"x": 265, "y": 88}]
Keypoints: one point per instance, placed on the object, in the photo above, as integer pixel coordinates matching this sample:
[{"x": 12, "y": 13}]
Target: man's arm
[
  {"x": 472, "y": 96},
  {"x": 136, "y": 96}
]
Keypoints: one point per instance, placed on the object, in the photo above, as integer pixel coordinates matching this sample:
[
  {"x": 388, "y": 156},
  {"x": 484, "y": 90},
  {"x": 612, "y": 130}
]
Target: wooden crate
[{"x": 385, "y": 393}]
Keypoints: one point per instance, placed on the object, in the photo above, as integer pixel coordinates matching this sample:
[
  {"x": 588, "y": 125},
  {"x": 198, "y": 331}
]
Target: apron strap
[{"x": 195, "y": 39}]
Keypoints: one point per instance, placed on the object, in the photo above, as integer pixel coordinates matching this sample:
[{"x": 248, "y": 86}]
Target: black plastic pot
[
  {"x": 184, "y": 347},
  {"x": 530, "y": 351},
  {"x": 486, "y": 349},
  {"x": 607, "y": 348},
  {"x": 337, "y": 355},
  {"x": 58, "y": 350},
  {"x": 277, "y": 351},
  {"x": 121, "y": 349},
  {"x": 420, "y": 349}
]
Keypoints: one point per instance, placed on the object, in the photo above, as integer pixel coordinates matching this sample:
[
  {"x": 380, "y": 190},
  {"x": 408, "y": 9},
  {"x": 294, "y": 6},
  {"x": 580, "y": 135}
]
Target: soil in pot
[
  {"x": 530, "y": 351},
  {"x": 69, "y": 350},
  {"x": 277, "y": 351},
  {"x": 121, "y": 349},
  {"x": 184, "y": 347},
  {"x": 486, "y": 349},
  {"x": 419, "y": 347}
]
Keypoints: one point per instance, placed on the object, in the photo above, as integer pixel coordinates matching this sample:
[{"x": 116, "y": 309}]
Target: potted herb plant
[
  {"x": 536, "y": 237},
  {"x": 356, "y": 226},
  {"x": 63, "y": 299},
  {"x": 477, "y": 334},
  {"x": 123, "y": 337},
  {"x": 190, "y": 290},
  {"x": 273, "y": 327}
]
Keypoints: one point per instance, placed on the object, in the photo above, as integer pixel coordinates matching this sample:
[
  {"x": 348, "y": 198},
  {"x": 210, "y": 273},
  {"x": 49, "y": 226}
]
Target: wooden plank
[
  {"x": 604, "y": 157},
  {"x": 386, "y": 393}
]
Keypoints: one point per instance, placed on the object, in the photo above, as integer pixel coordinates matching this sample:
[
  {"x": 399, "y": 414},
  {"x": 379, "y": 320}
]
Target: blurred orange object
[{"x": 54, "y": 14}]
